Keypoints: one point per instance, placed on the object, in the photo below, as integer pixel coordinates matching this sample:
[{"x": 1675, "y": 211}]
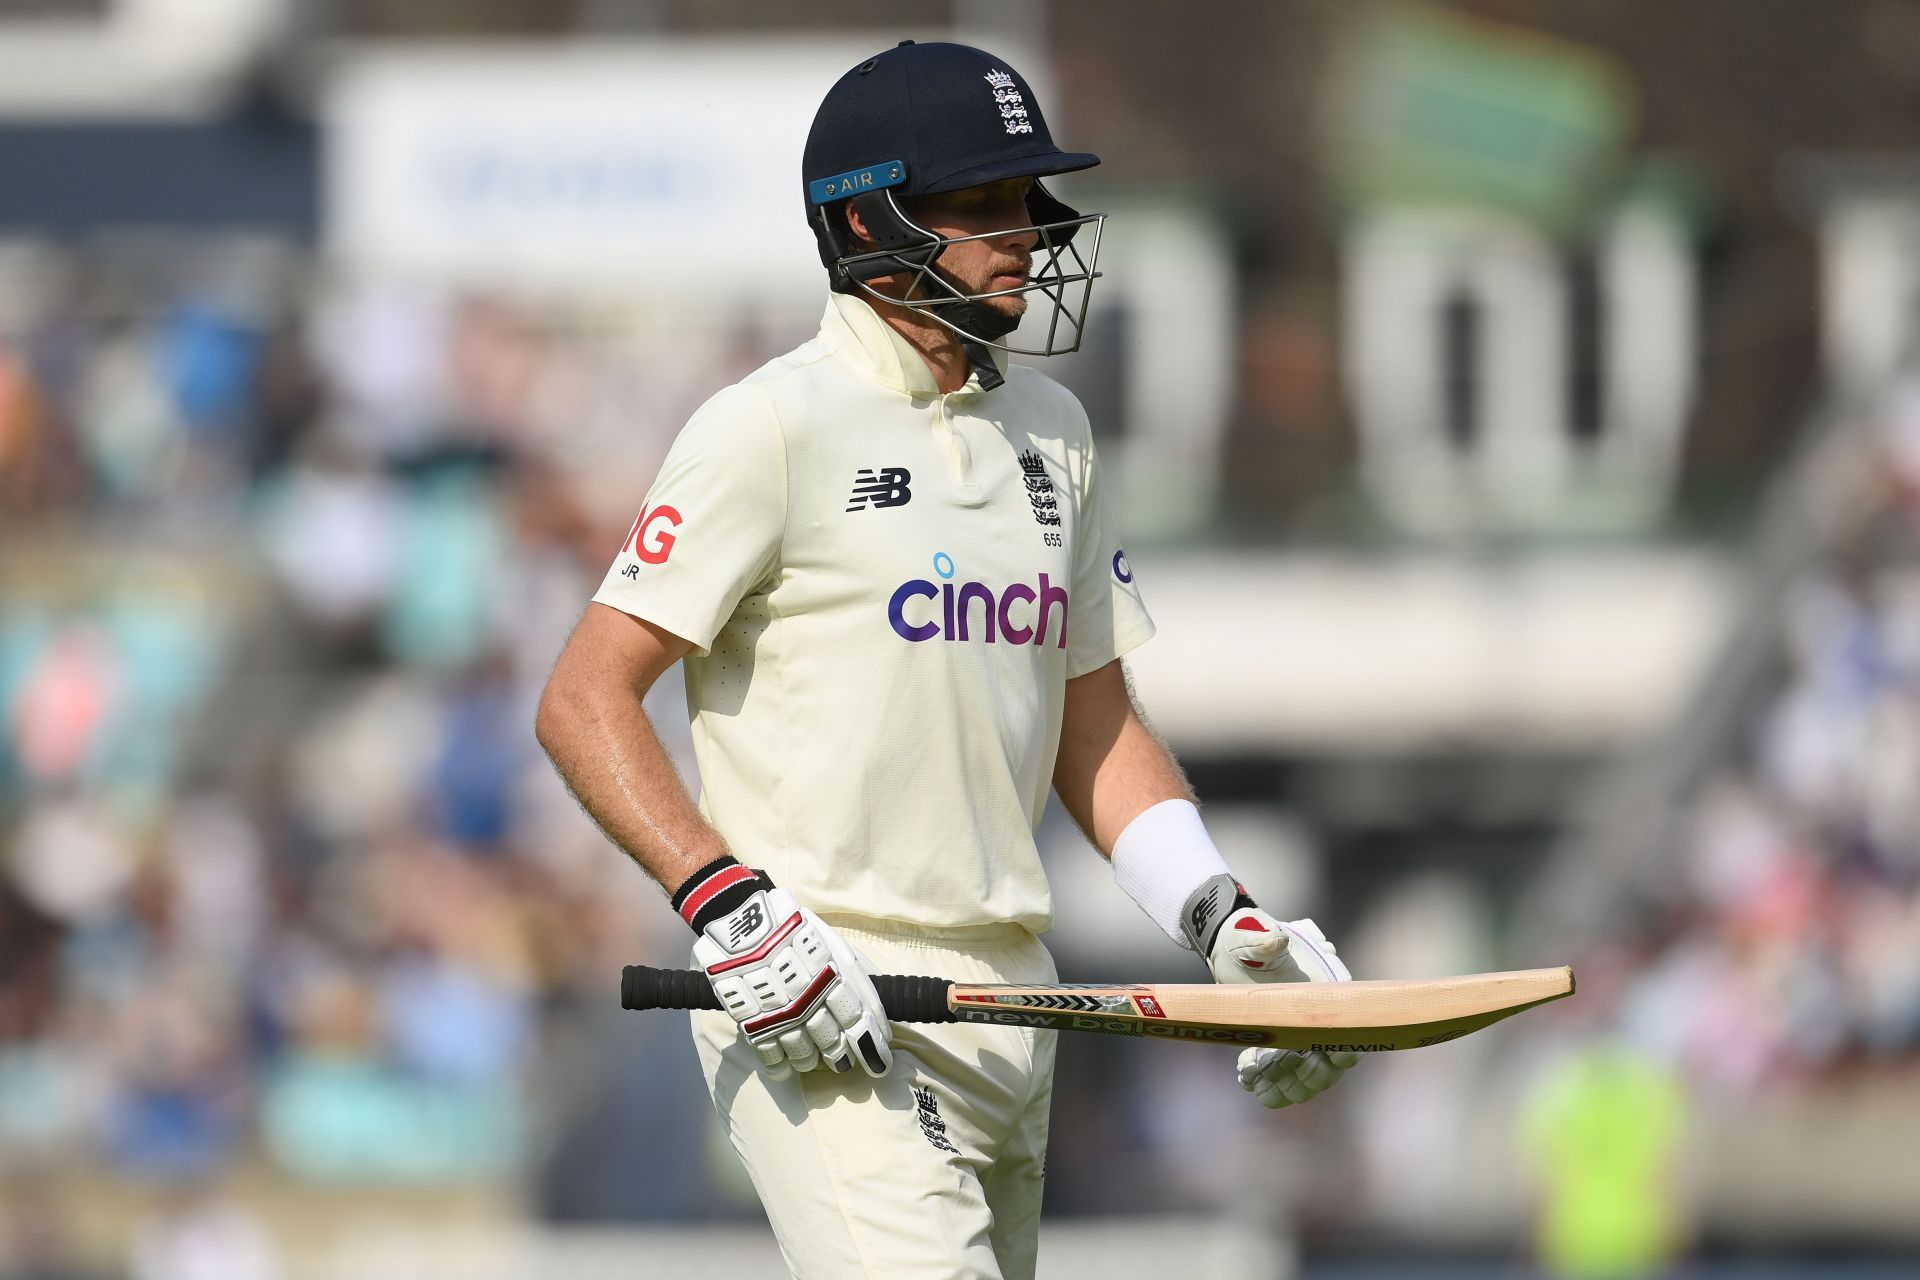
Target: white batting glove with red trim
[
  {"x": 799, "y": 991},
  {"x": 1248, "y": 945}
]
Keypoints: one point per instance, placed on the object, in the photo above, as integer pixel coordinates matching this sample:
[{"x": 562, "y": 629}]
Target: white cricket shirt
[{"x": 886, "y": 589}]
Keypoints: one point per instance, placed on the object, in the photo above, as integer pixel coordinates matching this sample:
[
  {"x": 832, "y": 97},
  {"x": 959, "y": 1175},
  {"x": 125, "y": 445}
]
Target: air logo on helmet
[
  {"x": 872, "y": 178},
  {"x": 1013, "y": 107}
]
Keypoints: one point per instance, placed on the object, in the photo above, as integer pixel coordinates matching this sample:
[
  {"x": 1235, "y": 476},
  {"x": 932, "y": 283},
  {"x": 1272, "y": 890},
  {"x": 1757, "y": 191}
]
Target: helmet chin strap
[
  {"x": 980, "y": 356},
  {"x": 977, "y": 318},
  {"x": 978, "y": 325}
]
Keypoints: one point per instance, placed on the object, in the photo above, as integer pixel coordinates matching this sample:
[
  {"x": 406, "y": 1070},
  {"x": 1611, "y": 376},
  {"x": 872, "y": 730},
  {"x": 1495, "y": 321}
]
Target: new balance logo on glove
[
  {"x": 745, "y": 924},
  {"x": 1202, "y": 910},
  {"x": 1208, "y": 907}
]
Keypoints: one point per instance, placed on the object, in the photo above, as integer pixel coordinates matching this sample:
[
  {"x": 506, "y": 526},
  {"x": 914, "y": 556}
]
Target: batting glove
[
  {"x": 799, "y": 991},
  {"x": 1242, "y": 943}
]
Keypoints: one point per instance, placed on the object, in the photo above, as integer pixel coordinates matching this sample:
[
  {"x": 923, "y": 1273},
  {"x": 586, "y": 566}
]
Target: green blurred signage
[{"x": 1434, "y": 108}]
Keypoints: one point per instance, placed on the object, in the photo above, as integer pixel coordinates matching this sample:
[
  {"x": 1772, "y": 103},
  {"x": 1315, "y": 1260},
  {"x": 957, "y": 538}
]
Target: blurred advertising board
[
  {"x": 1436, "y": 108},
  {"x": 669, "y": 168}
]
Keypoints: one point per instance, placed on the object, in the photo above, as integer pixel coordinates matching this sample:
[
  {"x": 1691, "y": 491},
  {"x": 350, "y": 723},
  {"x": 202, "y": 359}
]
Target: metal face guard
[{"x": 1059, "y": 267}]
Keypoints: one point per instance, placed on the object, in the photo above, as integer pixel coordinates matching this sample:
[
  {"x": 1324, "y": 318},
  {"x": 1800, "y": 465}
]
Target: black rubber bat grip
[{"x": 906, "y": 997}]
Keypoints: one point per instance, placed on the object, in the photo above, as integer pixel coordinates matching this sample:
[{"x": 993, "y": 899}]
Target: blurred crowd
[
  {"x": 283, "y": 876},
  {"x": 1783, "y": 921}
]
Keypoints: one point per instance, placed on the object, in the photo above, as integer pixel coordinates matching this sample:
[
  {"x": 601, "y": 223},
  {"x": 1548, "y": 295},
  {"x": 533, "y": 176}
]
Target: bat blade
[{"x": 1362, "y": 1016}]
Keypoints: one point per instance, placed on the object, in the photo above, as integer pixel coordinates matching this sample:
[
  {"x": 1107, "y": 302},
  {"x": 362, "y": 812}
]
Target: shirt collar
[{"x": 856, "y": 331}]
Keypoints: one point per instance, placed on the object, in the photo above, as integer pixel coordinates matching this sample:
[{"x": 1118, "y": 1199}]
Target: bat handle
[{"x": 906, "y": 997}]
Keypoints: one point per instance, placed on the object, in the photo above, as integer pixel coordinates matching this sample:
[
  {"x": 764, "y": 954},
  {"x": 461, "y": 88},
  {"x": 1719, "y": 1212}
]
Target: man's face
[{"x": 996, "y": 262}]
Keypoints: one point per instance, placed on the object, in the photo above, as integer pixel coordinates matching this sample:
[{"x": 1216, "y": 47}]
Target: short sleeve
[
  {"x": 1108, "y": 617},
  {"x": 709, "y": 532}
]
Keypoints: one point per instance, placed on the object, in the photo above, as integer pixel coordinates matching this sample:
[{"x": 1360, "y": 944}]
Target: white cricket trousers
[{"x": 934, "y": 1171}]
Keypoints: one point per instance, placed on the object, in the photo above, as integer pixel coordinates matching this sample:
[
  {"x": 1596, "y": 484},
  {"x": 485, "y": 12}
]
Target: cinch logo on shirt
[{"x": 1018, "y": 614}]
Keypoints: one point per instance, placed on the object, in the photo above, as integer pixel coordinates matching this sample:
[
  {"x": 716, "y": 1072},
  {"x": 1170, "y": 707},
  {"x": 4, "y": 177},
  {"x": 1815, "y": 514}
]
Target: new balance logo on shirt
[{"x": 886, "y": 487}]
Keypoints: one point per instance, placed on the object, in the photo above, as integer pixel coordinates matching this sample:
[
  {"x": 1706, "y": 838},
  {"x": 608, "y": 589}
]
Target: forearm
[
  {"x": 1111, "y": 766},
  {"x": 605, "y": 750},
  {"x": 1121, "y": 784}
]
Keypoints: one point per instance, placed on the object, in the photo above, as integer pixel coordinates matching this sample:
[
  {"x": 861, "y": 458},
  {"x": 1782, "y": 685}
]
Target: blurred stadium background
[{"x": 1514, "y": 409}]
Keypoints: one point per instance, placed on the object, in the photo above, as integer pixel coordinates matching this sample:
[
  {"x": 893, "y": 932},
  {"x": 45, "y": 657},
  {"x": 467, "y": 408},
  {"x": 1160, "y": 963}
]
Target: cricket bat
[{"x": 1360, "y": 1016}]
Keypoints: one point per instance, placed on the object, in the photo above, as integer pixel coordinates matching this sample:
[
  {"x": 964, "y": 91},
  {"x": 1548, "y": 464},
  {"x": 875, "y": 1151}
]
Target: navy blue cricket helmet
[{"x": 921, "y": 119}]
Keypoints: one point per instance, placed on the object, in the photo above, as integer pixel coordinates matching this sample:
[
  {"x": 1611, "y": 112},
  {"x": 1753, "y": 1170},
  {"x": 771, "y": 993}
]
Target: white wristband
[{"x": 1161, "y": 858}]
